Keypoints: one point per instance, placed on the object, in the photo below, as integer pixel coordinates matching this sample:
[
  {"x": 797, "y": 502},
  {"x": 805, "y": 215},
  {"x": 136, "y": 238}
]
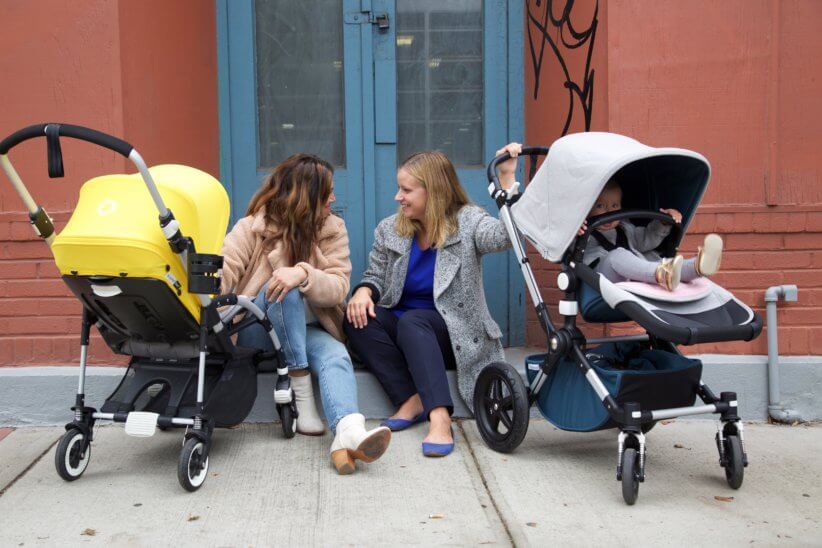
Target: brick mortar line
[
  {"x": 29, "y": 467},
  {"x": 484, "y": 481}
]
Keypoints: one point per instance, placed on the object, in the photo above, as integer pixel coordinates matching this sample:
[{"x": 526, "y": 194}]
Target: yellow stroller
[{"x": 149, "y": 288}]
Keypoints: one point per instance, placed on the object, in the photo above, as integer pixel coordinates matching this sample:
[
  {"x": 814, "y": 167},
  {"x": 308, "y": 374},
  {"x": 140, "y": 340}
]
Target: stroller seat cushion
[{"x": 685, "y": 293}]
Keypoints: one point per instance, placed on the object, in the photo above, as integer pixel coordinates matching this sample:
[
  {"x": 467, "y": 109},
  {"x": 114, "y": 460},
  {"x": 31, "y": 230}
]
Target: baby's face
[{"x": 609, "y": 200}]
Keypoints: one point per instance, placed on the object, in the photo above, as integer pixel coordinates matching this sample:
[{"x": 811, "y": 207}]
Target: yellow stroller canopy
[{"x": 114, "y": 230}]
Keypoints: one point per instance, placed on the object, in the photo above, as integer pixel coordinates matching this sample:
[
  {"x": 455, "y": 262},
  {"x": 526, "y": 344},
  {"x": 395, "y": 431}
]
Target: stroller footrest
[{"x": 141, "y": 424}]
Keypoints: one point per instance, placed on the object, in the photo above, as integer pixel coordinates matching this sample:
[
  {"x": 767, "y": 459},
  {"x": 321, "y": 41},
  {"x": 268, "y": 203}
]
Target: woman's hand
[
  {"x": 360, "y": 307},
  {"x": 507, "y": 168},
  {"x": 284, "y": 280},
  {"x": 673, "y": 213}
]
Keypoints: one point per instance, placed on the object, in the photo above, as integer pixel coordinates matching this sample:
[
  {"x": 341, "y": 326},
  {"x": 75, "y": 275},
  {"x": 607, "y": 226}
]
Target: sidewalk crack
[
  {"x": 29, "y": 467},
  {"x": 500, "y": 515}
]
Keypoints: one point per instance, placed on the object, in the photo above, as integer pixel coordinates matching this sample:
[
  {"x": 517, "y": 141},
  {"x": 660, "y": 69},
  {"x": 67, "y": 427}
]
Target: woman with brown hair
[
  {"x": 420, "y": 307},
  {"x": 290, "y": 254}
]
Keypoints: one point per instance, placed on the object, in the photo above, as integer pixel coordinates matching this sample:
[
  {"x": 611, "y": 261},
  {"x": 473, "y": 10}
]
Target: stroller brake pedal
[{"x": 141, "y": 424}]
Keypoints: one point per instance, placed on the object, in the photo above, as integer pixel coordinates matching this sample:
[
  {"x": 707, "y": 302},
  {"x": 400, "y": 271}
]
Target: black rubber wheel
[
  {"x": 734, "y": 467},
  {"x": 288, "y": 420},
  {"x": 192, "y": 468},
  {"x": 630, "y": 475},
  {"x": 70, "y": 459},
  {"x": 501, "y": 407}
]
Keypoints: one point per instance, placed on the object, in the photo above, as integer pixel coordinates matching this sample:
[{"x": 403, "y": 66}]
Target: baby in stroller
[{"x": 623, "y": 251}]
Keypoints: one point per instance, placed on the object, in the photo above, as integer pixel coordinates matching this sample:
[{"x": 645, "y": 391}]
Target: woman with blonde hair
[
  {"x": 290, "y": 254},
  {"x": 420, "y": 308}
]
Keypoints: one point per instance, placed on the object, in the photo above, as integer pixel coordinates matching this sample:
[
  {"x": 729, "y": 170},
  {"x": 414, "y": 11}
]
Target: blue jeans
[{"x": 307, "y": 346}]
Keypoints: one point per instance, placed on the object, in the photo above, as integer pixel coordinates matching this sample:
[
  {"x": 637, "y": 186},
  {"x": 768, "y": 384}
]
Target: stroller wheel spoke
[
  {"x": 506, "y": 420},
  {"x": 506, "y": 403}
]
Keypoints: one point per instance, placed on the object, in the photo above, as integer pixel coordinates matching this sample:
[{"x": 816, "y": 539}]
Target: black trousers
[{"x": 408, "y": 355}]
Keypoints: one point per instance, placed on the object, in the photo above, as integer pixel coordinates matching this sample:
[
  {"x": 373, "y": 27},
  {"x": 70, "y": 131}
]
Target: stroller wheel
[
  {"x": 630, "y": 475},
  {"x": 288, "y": 419},
  {"x": 192, "y": 468},
  {"x": 734, "y": 467},
  {"x": 73, "y": 455},
  {"x": 501, "y": 407}
]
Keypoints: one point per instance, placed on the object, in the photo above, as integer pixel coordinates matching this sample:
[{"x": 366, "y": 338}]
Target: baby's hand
[
  {"x": 677, "y": 216},
  {"x": 583, "y": 228}
]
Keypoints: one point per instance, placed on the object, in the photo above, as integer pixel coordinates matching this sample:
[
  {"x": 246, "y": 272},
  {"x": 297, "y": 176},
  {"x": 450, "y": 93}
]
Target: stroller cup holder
[{"x": 202, "y": 273}]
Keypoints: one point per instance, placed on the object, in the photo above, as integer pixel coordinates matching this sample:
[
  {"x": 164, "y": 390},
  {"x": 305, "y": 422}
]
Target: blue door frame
[{"x": 366, "y": 185}]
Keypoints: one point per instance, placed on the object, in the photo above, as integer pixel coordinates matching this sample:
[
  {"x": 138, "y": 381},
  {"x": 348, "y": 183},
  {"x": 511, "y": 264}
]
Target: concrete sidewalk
[{"x": 557, "y": 488}]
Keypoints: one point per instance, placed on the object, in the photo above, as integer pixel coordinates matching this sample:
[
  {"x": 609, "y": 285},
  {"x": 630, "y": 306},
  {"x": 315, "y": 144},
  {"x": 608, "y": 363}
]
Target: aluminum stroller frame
[
  {"x": 502, "y": 401},
  {"x": 73, "y": 450}
]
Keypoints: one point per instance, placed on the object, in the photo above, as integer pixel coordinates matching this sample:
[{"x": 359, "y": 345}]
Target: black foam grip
[
  {"x": 53, "y": 151},
  {"x": 66, "y": 130}
]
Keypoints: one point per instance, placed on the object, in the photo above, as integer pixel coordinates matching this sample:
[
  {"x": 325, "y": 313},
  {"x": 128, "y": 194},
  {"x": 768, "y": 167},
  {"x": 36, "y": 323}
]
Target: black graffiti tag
[{"x": 540, "y": 20}]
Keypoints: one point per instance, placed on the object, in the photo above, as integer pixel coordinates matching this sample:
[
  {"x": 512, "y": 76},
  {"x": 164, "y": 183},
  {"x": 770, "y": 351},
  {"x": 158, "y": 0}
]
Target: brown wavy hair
[
  {"x": 435, "y": 172},
  {"x": 293, "y": 197}
]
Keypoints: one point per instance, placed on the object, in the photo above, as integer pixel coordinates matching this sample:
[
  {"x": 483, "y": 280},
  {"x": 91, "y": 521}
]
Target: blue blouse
[{"x": 418, "y": 291}]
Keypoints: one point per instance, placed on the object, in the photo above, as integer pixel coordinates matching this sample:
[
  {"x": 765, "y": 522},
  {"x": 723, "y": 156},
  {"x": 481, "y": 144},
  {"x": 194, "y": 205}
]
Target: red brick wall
[
  {"x": 113, "y": 66},
  {"x": 734, "y": 81}
]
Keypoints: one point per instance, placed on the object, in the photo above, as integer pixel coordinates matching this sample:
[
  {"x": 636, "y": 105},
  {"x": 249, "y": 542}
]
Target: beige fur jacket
[{"x": 252, "y": 250}]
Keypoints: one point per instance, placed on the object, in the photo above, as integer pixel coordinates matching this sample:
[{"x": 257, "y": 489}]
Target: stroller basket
[{"x": 653, "y": 378}]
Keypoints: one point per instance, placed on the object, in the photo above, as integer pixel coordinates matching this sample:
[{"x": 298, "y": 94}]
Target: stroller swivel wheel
[
  {"x": 734, "y": 467},
  {"x": 192, "y": 468},
  {"x": 73, "y": 455},
  {"x": 501, "y": 407},
  {"x": 630, "y": 475},
  {"x": 288, "y": 418}
]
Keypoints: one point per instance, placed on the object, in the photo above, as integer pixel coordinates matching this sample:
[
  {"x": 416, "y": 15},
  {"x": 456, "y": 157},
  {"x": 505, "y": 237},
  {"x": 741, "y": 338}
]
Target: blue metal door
[{"x": 380, "y": 79}]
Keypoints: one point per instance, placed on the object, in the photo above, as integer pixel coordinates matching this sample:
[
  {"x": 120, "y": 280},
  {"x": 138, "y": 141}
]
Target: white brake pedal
[
  {"x": 141, "y": 424},
  {"x": 282, "y": 396}
]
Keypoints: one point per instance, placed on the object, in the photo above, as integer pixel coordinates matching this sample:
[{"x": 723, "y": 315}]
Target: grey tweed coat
[{"x": 458, "y": 290}]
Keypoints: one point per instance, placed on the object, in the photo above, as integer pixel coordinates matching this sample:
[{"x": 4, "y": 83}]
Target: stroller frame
[
  {"x": 492, "y": 406},
  {"x": 74, "y": 449}
]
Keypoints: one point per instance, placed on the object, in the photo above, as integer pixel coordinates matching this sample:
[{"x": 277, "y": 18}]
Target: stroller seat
[{"x": 710, "y": 315}]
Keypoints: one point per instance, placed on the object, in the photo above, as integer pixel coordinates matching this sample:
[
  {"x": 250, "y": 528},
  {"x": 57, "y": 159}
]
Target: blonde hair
[
  {"x": 435, "y": 172},
  {"x": 293, "y": 197}
]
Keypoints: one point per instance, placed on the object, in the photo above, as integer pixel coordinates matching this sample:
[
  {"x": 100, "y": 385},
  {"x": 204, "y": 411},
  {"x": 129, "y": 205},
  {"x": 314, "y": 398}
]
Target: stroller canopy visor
[{"x": 578, "y": 166}]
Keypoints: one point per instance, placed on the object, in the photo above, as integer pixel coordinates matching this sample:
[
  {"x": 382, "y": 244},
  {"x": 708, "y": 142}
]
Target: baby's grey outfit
[{"x": 638, "y": 262}]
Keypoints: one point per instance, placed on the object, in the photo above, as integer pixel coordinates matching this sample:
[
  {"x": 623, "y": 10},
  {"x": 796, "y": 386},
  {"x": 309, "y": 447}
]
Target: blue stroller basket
[
  {"x": 652, "y": 378},
  {"x": 627, "y": 382}
]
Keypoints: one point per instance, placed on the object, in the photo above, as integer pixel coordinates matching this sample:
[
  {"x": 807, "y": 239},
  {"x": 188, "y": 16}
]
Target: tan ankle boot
[
  {"x": 669, "y": 273},
  {"x": 709, "y": 256},
  {"x": 353, "y": 441},
  {"x": 309, "y": 422}
]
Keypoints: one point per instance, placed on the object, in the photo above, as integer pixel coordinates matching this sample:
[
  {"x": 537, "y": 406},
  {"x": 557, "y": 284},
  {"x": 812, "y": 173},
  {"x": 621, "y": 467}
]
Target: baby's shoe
[
  {"x": 309, "y": 422},
  {"x": 709, "y": 256},
  {"x": 669, "y": 273},
  {"x": 353, "y": 441}
]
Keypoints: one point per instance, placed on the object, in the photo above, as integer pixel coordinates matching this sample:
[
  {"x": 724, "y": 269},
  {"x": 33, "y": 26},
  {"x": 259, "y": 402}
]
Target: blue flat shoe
[
  {"x": 395, "y": 425},
  {"x": 438, "y": 449}
]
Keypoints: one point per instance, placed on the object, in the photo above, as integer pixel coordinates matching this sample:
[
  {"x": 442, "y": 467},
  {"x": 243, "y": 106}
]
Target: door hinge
[{"x": 366, "y": 17}]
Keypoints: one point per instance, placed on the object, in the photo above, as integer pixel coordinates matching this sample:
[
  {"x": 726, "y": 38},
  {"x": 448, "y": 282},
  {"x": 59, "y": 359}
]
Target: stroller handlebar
[
  {"x": 66, "y": 130},
  {"x": 526, "y": 151}
]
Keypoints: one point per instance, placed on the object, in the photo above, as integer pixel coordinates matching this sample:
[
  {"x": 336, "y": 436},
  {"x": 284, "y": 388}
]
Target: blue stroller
[{"x": 625, "y": 382}]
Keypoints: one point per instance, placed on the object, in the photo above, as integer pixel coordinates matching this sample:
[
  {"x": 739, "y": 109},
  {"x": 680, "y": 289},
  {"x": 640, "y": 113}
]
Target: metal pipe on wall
[{"x": 776, "y": 410}]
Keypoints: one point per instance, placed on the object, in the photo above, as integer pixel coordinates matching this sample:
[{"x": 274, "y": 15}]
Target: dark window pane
[{"x": 300, "y": 105}]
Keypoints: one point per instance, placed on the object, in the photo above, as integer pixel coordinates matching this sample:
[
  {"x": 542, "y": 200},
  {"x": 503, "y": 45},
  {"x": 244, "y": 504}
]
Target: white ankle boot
[
  {"x": 353, "y": 441},
  {"x": 309, "y": 422}
]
